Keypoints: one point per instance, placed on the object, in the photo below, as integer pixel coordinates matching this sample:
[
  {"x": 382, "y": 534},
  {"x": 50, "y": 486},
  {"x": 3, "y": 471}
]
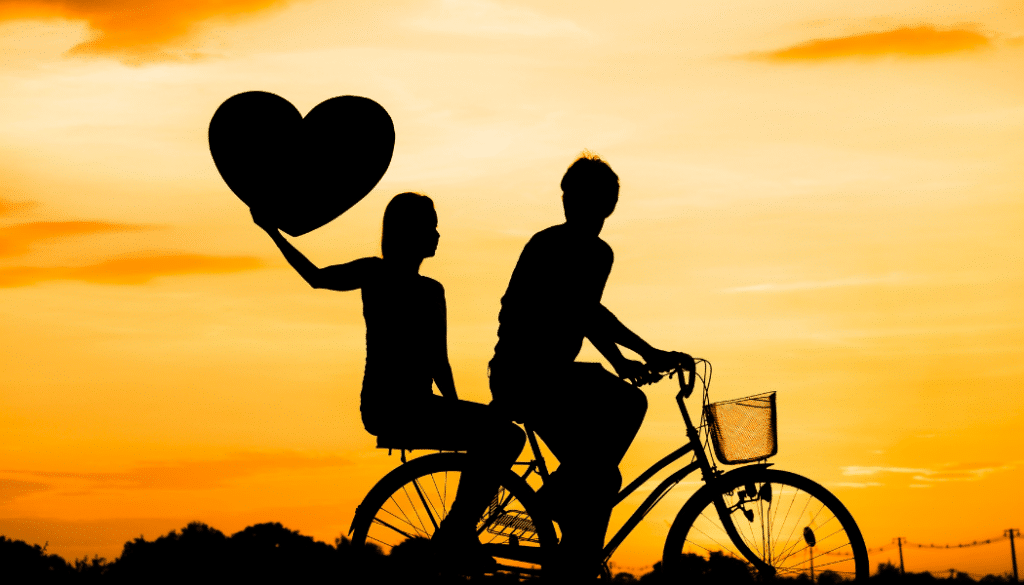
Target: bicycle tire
[
  {"x": 413, "y": 498},
  {"x": 799, "y": 525}
]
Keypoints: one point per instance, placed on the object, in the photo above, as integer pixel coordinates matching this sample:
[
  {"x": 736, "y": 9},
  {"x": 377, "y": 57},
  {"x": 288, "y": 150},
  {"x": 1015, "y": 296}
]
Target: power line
[
  {"x": 905, "y": 542},
  {"x": 900, "y": 542}
]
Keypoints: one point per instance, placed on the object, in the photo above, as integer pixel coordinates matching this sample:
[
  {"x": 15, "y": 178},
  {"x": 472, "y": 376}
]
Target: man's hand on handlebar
[
  {"x": 634, "y": 371},
  {"x": 658, "y": 363},
  {"x": 666, "y": 361}
]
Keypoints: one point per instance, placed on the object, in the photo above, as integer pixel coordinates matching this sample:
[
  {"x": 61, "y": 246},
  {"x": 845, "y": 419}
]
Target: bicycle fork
[{"x": 749, "y": 495}]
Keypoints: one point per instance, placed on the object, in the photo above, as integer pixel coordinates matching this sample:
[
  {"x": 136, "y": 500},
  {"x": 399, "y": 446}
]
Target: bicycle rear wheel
[
  {"x": 412, "y": 500},
  {"x": 779, "y": 522}
]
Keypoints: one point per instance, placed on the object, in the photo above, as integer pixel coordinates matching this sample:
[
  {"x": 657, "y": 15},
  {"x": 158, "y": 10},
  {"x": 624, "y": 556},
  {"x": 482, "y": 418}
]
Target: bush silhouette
[
  {"x": 270, "y": 553},
  {"x": 24, "y": 563},
  {"x": 199, "y": 553}
]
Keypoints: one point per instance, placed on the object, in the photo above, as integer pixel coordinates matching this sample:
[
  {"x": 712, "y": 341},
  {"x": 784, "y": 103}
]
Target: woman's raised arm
[{"x": 349, "y": 276}]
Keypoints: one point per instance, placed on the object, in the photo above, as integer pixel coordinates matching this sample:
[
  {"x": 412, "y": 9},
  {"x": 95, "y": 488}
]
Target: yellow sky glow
[{"x": 822, "y": 200}]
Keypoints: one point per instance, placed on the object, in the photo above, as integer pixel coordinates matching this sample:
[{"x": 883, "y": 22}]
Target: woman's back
[{"x": 405, "y": 339}]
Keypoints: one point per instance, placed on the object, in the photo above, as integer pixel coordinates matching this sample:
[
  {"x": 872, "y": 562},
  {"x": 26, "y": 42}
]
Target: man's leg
[{"x": 589, "y": 424}]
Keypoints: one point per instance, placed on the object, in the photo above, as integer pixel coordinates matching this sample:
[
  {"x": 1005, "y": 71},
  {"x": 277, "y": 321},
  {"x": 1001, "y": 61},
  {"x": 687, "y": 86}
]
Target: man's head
[{"x": 590, "y": 190}]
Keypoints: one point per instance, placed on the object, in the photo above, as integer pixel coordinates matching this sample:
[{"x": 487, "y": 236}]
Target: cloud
[
  {"x": 770, "y": 287},
  {"x": 489, "y": 18},
  {"x": 8, "y": 207},
  {"x": 189, "y": 475},
  {"x": 14, "y": 488},
  {"x": 135, "y": 269},
  {"x": 17, "y": 239},
  {"x": 919, "y": 474},
  {"x": 918, "y": 41},
  {"x": 132, "y": 28}
]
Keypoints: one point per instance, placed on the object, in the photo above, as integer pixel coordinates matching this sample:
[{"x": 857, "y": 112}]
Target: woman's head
[{"x": 410, "y": 227}]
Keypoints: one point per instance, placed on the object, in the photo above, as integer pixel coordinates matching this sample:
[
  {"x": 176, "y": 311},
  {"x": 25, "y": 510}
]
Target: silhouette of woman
[{"x": 407, "y": 353}]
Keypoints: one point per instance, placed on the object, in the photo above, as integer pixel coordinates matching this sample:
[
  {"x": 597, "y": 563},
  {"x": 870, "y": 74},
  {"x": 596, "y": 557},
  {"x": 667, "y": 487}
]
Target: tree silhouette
[
  {"x": 271, "y": 553},
  {"x": 24, "y": 563},
  {"x": 197, "y": 554}
]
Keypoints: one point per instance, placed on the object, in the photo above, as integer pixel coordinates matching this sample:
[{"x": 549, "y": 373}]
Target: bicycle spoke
[
  {"x": 385, "y": 524},
  {"x": 405, "y": 516},
  {"x": 406, "y": 521},
  {"x": 709, "y": 537},
  {"x": 786, "y": 514},
  {"x": 819, "y": 554},
  {"x": 776, "y": 536},
  {"x": 751, "y": 542},
  {"x": 796, "y": 525},
  {"x": 412, "y": 504},
  {"x": 437, "y": 490},
  {"x": 426, "y": 506},
  {"x": 387, "y": 544},
  {"x": 798, "y": 541},
  {"x": 793, "y": 568},
  {"x": 413, "y": 501}
]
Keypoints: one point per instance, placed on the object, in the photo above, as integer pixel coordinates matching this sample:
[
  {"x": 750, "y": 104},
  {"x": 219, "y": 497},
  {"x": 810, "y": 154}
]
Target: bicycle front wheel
[
  {"x": 779, "y": 522},
  {"x": 412, "y": 500}
]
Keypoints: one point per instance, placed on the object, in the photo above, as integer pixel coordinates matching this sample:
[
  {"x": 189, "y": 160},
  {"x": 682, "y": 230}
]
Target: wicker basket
[{"x": 743, "y": 430}]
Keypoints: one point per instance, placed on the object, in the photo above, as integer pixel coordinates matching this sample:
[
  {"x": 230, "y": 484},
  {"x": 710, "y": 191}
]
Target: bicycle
[{"x": 778, "y": 522}]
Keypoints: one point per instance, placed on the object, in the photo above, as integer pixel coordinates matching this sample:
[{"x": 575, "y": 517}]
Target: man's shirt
[{"x": 552, "y": 298}]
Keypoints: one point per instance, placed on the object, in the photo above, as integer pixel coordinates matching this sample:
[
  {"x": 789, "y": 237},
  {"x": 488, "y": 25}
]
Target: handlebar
[{"x": 686, "y": 370}]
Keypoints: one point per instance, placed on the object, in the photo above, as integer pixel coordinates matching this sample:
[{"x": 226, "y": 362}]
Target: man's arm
[{"x": 606, "y": 332}]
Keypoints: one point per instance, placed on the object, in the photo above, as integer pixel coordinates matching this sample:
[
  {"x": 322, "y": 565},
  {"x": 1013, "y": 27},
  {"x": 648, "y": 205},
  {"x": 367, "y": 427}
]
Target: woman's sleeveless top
[{"x": 405, "y": 334}]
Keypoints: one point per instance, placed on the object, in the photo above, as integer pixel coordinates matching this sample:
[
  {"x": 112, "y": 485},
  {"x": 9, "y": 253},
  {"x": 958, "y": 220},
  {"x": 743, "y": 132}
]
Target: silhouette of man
[{"x": 586, "y": 415}]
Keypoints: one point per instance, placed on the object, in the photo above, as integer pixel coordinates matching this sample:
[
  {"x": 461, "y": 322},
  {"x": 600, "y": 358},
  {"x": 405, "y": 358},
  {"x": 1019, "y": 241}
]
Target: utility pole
[
  {"x": 1013, "y": 551},
  {"x": 899, "y": 542}
]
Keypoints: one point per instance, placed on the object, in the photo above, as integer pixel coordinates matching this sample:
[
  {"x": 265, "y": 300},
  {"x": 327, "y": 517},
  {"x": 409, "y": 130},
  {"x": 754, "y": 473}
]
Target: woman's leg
[{"x": 491, "y": 442}]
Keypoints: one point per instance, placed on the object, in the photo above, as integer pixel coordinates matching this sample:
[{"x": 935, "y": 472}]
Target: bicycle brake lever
[{"x": 686, "y": 387}]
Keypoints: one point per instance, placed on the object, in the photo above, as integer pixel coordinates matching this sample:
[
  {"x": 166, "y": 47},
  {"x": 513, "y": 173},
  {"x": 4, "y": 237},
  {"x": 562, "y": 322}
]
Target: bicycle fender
[{"x": 727, "y": 476}]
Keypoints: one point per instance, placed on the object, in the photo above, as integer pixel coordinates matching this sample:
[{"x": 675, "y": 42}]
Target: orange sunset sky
[{"x": 823, "y": 199}]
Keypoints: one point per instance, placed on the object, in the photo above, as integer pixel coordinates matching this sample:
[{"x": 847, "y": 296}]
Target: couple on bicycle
[{"x": 586, "y": 415}]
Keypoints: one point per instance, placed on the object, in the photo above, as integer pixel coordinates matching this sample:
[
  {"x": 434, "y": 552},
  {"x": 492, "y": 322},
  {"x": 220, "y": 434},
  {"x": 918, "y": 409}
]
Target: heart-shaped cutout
[{"x": 302, "y": 171}]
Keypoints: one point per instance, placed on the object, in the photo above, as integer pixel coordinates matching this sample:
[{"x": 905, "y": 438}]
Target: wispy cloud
[
  {"x": 917, "y": 42},
  {"x": 8, "y": 207},
  {"x": 17, "y": 239},
  {"x": 772, "y": 287},
  {"x": 969, "y": 472},
  {"x": 134, "y": 30},
  {"x": 856, "y": 484},
  {"x": 179, "y": 475},
  {"x": 489, "y": 18},
  {"x": 10, "y": 489},
  {"x": 135, "y": 269}
]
